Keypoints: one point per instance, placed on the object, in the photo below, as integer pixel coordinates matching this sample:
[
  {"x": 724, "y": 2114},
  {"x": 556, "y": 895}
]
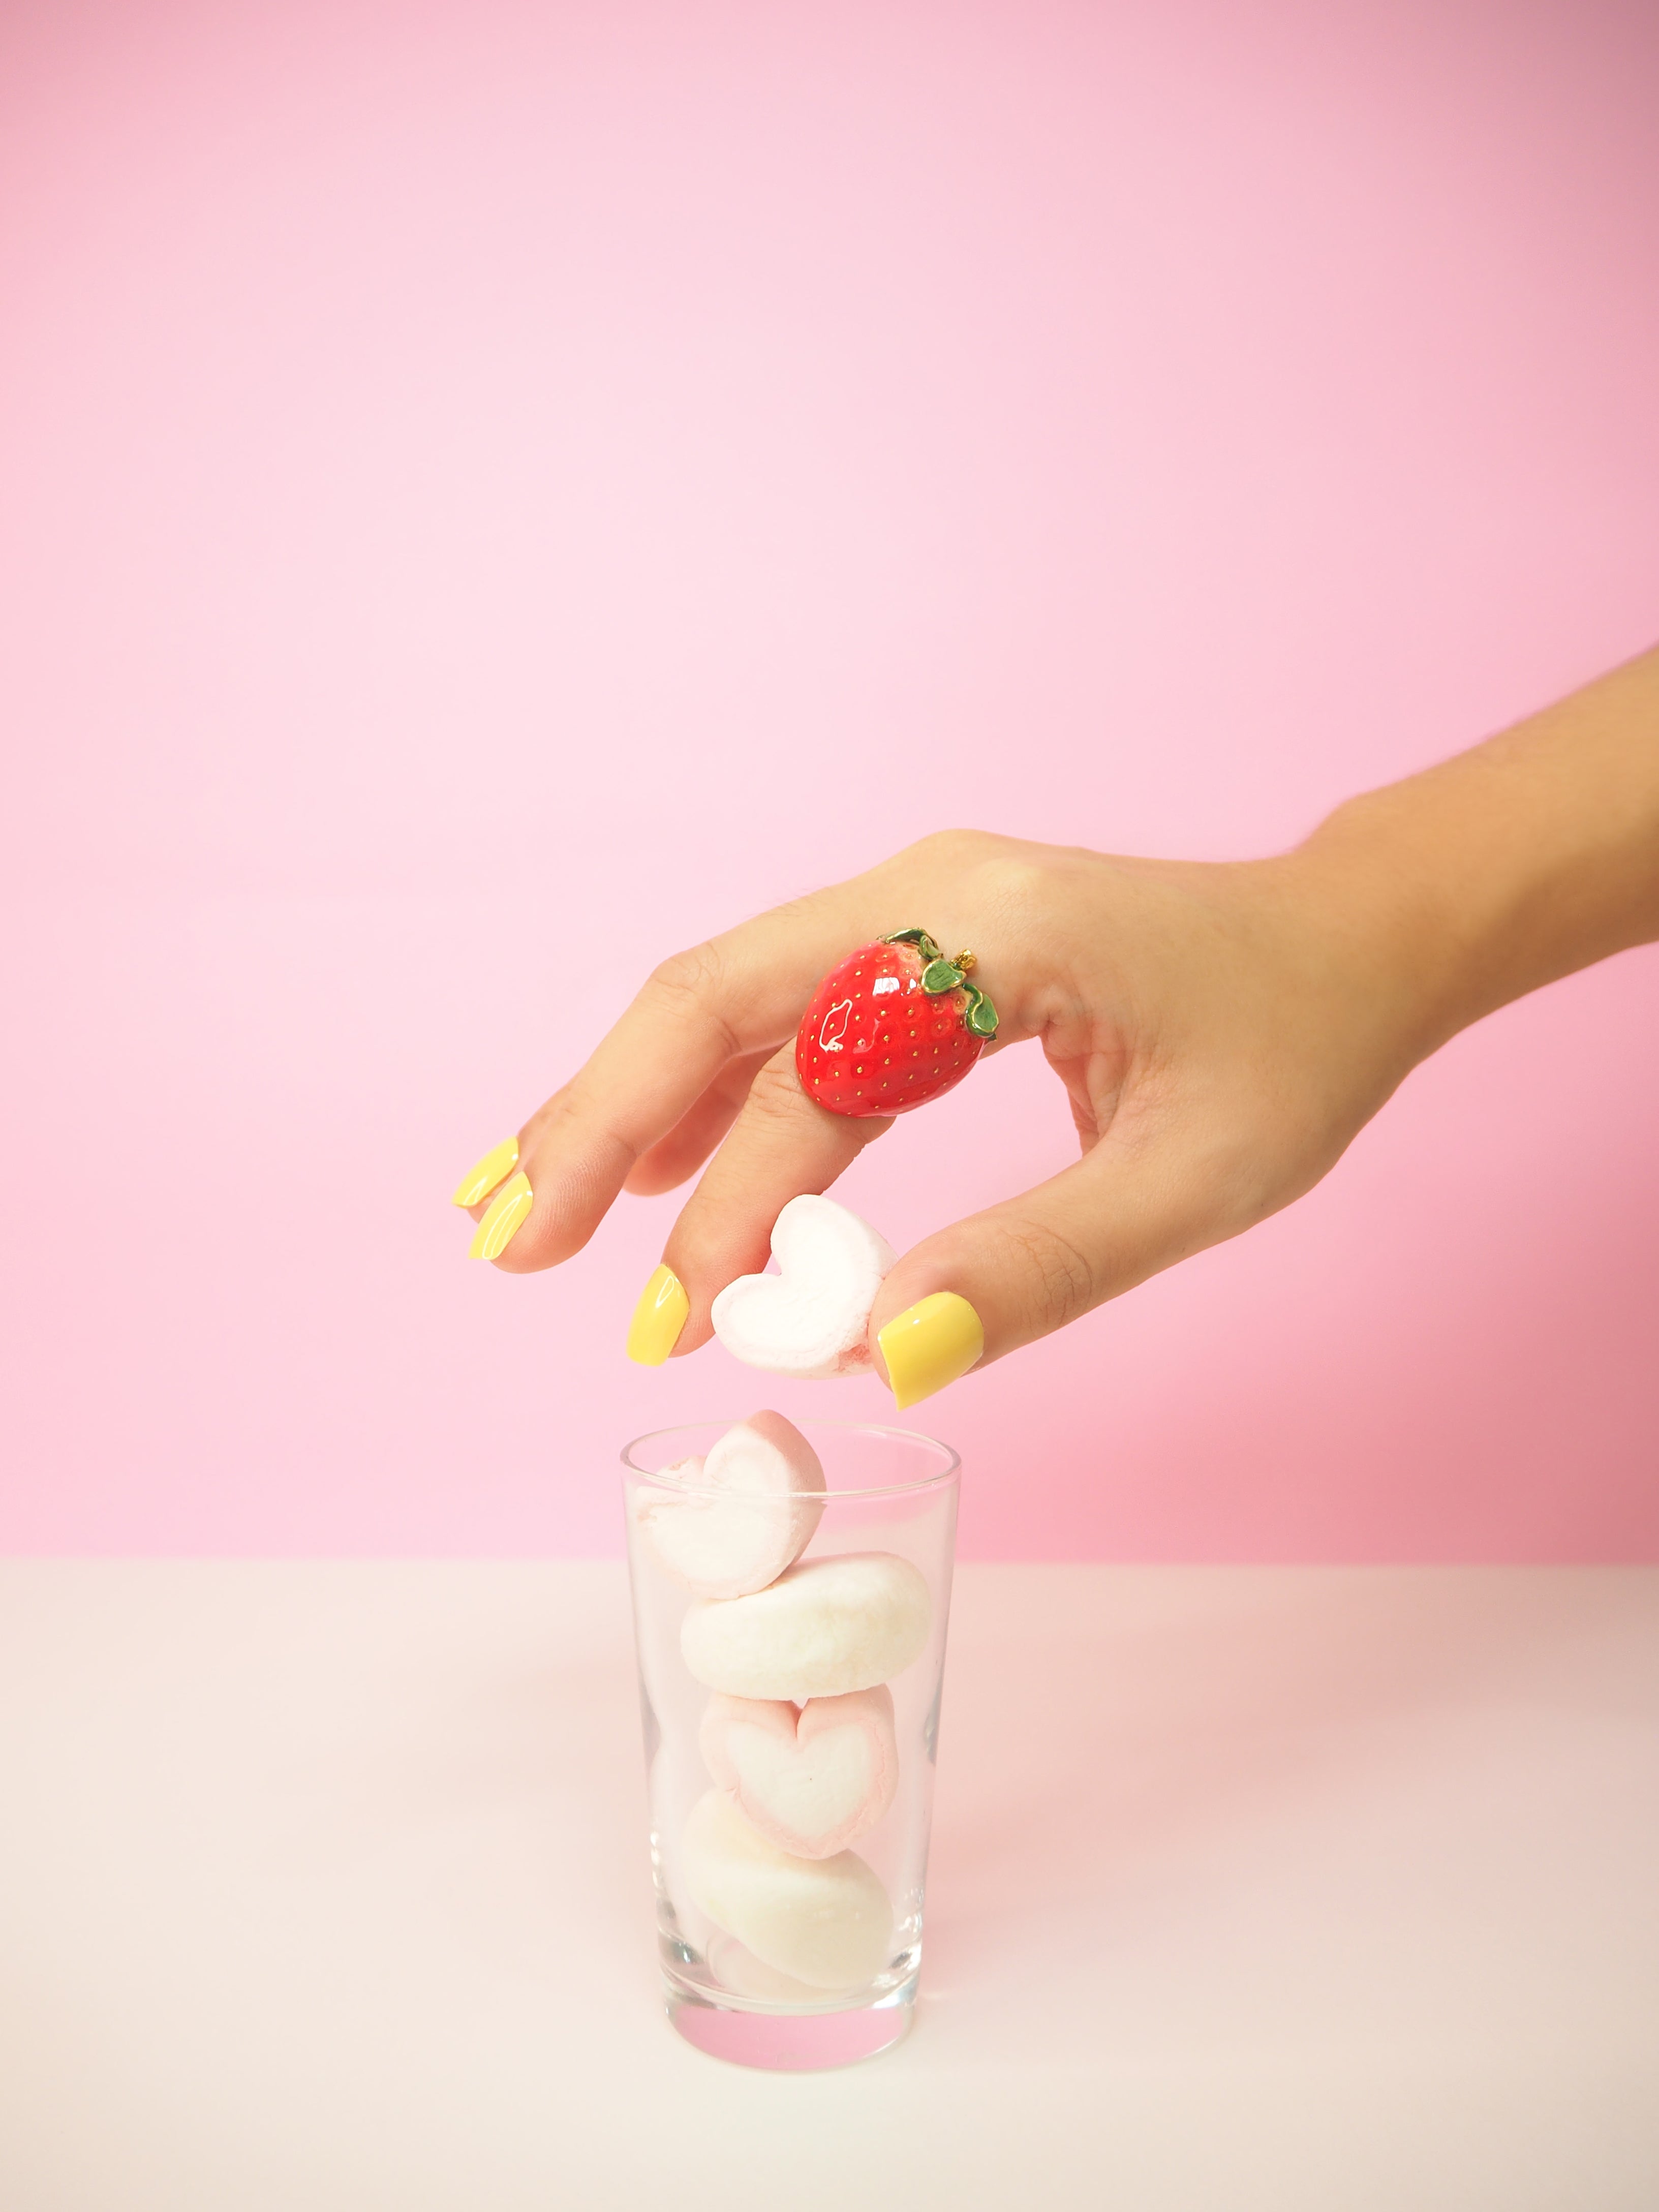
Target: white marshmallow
[
  {"x": 723, "y": 1547},
  {"x": 746, "y": 1976},
  {"x": 825, "y": 1627},
  {"x": 827, "y": 1921},
  {"x": 810, "y": 1320},
  {"x": 811, "y": 1781}
]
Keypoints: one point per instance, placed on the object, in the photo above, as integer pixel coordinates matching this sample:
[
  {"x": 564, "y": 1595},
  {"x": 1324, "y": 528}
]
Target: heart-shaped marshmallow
[
  {"x": 811, "y": 1781},
  {"x": 828, "y": 1922},
  {"x": 810, "y": 1320},
  {"x": 758, "y": 1519},
  {"x": 825, "y": 1627}
]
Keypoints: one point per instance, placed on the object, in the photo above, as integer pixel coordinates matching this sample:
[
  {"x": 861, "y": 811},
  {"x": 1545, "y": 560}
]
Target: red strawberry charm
[{"x": 893, "y": 1026}]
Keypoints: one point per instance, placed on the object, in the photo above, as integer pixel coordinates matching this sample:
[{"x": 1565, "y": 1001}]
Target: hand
[{"x": 1221, "y": 1032}]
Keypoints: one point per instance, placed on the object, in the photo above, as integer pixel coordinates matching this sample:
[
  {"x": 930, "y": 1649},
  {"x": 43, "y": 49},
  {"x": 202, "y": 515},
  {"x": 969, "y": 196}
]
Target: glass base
[{"x": 785, "y": 2040}]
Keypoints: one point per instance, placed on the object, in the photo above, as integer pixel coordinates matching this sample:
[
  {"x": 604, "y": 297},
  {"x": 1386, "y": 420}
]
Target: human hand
[{"x": 1221, "y": 1030}]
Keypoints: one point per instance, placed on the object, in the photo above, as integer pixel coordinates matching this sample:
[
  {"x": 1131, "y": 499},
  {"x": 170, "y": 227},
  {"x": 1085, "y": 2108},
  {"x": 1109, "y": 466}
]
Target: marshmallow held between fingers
[
  {"x": 826, "y": 1627},
  {"x": 827, "y": 1921},
  {"x": 812, "y": 1319},
  {"x": 811, "y": 1781},
  {"x": 749, "y": 1514}
]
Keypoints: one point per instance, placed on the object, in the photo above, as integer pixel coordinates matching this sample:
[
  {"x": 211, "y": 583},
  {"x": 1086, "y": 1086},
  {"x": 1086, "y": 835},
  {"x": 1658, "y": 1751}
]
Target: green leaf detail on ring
[
  {"x": 940, "y": 975},
  {"x": 918, "y": 937},
  {"x": 981, "y": 1014}
]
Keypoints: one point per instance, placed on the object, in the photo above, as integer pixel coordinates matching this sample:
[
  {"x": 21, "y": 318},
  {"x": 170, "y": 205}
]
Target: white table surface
[{"x": 325, "y": 1886}]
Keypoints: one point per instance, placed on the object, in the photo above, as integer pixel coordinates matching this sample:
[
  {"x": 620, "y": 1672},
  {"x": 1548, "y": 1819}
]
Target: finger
[
  {"x": 667, "y": 1163},
  {"x": 1131, "y": 1206},
  {"x": 781, "y": 1145},
  {"x": 696, "y": 1135},
  {"x": 738, "y": 997}
]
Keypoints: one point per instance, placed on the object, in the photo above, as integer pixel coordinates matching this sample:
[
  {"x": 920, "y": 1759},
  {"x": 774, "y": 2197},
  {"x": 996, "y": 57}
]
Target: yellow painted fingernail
[
  {"x": 657, "y": 1319},
  {"x": 503, "y": 1220},
  {"x": 929, "y": 1345},
  {"x": 482, "y": 1177}
]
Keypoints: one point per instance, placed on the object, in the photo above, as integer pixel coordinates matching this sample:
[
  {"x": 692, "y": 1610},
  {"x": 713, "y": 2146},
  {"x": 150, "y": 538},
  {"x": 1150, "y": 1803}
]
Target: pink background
[{"x": 495, "y": 491}]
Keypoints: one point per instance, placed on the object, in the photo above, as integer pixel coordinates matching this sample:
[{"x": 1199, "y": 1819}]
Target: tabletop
[{"x": 1335, "y": 1888}]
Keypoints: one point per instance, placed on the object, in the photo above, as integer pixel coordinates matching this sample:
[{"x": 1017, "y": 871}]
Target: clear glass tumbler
[{"x": 789, "y": 1868}]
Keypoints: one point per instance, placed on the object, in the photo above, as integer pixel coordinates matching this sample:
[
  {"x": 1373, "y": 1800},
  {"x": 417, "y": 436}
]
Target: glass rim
[{"x": 937, "y": 1481}]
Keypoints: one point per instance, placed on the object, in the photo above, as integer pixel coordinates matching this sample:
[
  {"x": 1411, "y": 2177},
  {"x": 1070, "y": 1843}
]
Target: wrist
[
  {"x": 1508, "y": 866},
  {"x": 1412, "y": 929}
]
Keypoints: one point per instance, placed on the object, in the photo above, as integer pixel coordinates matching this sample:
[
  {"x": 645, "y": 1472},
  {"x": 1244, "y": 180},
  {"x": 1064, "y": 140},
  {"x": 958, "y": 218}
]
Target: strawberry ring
[{"x": 893, "y": 1025}]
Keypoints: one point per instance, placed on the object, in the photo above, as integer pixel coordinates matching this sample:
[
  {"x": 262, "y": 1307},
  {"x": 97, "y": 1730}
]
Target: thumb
[{"x": 1022, "y": 1269}]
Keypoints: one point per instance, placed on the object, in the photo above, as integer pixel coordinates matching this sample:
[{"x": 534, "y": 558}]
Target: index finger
[{"x": 740, "y": 993}]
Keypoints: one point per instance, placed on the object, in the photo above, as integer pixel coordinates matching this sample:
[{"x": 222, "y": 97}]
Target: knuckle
[
  {"x": 695, "y": 982},
  {"x": 688, "y": 975},
  {"x": 956, "y": 848},
  {"x": 1013, "y": 886},
  {"x": 1060, "y": 1276},
  {"x": 775, "y": 1094}
]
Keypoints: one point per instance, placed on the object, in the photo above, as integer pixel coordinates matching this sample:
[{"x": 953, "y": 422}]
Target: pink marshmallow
[
  {"x": 749, "y": 1517},
  {"x": 811, "y": 1781}
]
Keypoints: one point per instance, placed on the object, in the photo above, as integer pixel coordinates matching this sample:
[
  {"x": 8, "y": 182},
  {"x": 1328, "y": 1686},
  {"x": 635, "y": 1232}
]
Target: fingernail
[
  {"x": 482, "y": 1177},
  {"x": 929, "y": 1345},
  {"x": 657, "y": 1319},
  {"x": 503, "y": 1220}
]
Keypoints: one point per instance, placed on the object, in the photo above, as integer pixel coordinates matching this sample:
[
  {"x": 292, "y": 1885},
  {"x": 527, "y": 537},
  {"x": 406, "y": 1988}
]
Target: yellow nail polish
[
  {"x": 482, "y": 1177},
  {"x": 657, "y": 1319},
  {"x": 929, "y": 1345},
  {"x": 504, "y": 1220}
]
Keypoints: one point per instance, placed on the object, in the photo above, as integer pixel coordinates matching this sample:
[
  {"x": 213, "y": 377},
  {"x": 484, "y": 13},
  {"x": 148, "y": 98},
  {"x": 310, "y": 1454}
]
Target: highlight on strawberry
[{"x": 895, "y": 1025}]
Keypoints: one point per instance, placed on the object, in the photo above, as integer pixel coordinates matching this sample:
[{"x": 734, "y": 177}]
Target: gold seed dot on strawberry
[{"x": 882, "y": 988}]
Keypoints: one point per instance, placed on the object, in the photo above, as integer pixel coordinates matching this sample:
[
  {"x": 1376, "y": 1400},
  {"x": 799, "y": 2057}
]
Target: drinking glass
[{"x": 821, "y": 1965}]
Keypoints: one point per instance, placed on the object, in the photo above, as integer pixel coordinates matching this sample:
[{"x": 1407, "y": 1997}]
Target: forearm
[{"x": 1534, "y": 855}]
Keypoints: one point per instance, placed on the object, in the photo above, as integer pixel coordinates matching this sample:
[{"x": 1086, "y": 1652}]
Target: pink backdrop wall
[{"x": 494, "y": 491}]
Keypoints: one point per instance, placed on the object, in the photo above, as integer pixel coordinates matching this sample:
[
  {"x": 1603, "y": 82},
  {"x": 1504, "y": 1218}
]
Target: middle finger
[{"x": 782, "y": 1144}]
